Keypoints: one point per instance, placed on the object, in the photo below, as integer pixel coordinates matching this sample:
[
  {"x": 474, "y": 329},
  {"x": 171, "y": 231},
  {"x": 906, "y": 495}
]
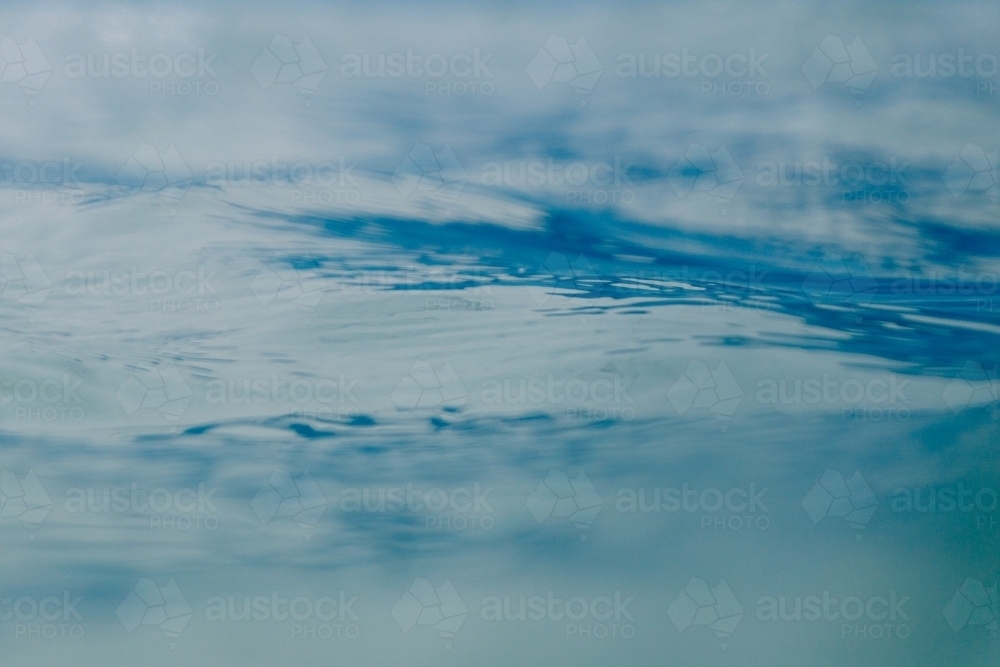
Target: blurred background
[{"x": 645, "y": 333}]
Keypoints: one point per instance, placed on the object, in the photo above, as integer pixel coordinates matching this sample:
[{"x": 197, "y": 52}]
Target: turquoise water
[{"x": 312, "y": 368}]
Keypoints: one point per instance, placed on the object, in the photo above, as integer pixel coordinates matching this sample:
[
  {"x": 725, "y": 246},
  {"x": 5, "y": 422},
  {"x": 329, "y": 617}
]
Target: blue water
[{"x": 556, "y": 370}]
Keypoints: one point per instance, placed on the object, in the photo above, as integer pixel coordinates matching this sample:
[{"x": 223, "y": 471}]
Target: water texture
[{"x": 623, "y": 333}]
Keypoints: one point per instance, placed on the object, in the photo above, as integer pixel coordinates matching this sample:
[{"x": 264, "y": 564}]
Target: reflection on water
[{"x": 441, "y": 413}]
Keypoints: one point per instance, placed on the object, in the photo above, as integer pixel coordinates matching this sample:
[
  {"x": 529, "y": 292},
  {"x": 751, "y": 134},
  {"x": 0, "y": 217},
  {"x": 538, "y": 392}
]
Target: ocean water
[{"x": 623, "y": 333}]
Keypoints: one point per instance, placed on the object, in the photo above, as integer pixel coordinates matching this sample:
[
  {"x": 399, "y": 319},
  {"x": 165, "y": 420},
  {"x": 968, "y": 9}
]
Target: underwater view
[{"x": 550, "y": 334}]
